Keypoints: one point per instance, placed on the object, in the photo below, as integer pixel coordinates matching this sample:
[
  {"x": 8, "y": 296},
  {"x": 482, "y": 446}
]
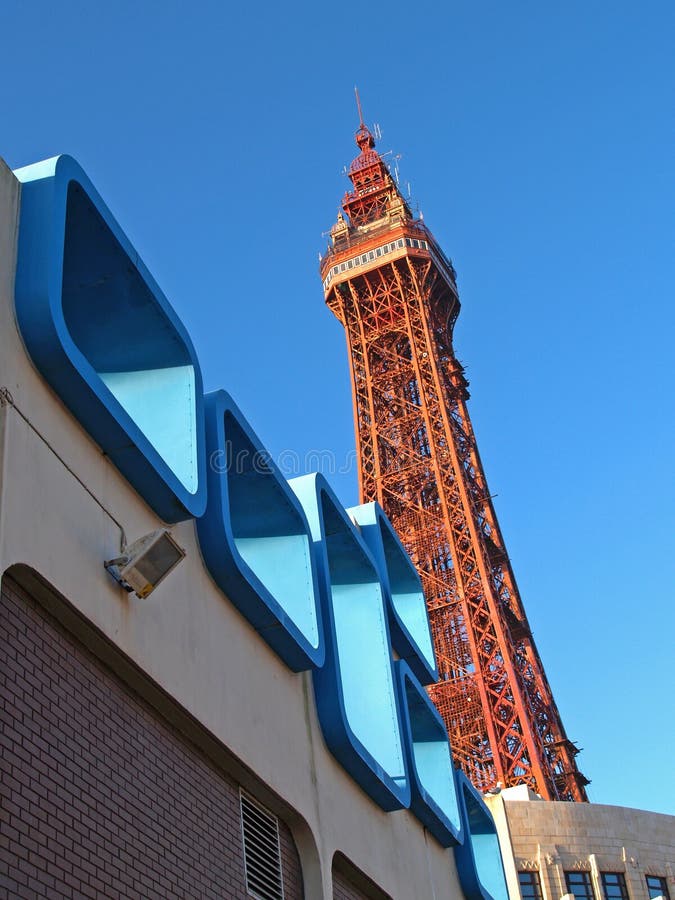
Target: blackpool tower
[{"x": 394, "y": 290}]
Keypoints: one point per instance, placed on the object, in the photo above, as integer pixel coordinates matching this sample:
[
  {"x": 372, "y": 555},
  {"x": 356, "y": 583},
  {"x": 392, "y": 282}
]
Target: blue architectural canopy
[
  {"x": 479, "y": 860},
  {"x": 433, "y": 792},
  {"x": 355, "y": 691},
  {"x": 104, "y": 336},
  {"x": 407, "y": 609},
  {"x": 255, "y": 538}
]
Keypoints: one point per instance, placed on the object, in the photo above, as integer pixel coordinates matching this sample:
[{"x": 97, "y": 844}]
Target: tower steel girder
[{"x": 394, "y": 291}]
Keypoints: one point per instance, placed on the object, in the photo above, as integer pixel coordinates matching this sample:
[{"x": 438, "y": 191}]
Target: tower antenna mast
[{"x": 358, "y": 106}]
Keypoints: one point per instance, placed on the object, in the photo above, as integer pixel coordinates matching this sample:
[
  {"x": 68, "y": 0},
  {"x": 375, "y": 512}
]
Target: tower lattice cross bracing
[{"x": 394, "y": 290}]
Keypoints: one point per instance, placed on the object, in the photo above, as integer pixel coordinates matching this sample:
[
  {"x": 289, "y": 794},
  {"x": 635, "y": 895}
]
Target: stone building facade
[{"x": 588, "y": 850}]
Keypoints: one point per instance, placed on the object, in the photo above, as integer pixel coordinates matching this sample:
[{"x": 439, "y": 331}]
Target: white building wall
[{"x": 61, "y": 507}]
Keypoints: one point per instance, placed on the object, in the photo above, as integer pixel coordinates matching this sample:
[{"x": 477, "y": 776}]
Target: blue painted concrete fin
[
  {"x": 434, "y": 797},
  {"x": 104, "y": 336},
  {"x": 479, "y": 861},
  {"x": 355, "y": 691},
  {"x": 408, "y": 617},
  {"x": 255, "y": 538}
]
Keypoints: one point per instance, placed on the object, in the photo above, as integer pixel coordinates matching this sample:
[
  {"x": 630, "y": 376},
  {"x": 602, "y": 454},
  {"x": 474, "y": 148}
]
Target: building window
[
  {"x": 657, "y": 887},
  {"x": 614, "y": 885},
  {"x": 262, "y": 853},
  {"x": 579, "y": 884},
  {"x": 530, "y": 885}
]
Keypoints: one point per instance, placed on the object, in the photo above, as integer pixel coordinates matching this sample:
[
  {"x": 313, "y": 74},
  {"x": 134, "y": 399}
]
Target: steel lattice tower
[{"x": 394, "y": 290}]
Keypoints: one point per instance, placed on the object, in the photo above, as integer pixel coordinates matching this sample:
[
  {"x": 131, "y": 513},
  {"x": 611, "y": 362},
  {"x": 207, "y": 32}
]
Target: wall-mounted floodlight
[{"x": 146, "y": 562}]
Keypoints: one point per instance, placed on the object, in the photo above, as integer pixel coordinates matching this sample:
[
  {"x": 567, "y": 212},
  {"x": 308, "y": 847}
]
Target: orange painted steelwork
[{"x": 394, "y": 290}]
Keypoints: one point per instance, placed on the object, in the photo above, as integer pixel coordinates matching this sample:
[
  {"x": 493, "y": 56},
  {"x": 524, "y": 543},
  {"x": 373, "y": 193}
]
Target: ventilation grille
[{"x": 262, "y": 856}]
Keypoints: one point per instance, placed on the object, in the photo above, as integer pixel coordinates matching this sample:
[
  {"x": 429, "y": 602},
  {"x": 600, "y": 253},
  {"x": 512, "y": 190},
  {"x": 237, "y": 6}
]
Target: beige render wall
[
  {"x": 187, "y": 641},
  {"x": 553, "y": 837}
]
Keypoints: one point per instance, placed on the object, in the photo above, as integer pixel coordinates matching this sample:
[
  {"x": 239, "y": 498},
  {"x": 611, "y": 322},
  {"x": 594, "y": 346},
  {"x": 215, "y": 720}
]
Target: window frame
[
  {"x": 586, "y": 880},
  {"x": 662, "y": 887},
  {"x": 535, "y": 882},
  {"x": 620, "y": 884}
]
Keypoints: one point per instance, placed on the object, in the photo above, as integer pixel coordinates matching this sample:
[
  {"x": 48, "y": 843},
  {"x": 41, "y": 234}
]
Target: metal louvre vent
[{"x": 262, "y": 855}]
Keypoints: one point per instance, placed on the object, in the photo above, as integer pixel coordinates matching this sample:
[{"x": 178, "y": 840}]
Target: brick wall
[
  {"x": 99, "y": 796},
  {"x": 351, "y": 884},
  {"x": 291, "y": 870},
  {"x": 344, "y": 890}
]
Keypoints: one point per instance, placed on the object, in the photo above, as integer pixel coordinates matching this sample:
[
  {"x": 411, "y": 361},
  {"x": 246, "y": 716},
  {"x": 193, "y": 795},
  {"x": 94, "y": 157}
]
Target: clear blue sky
[{"x": 538, "y": 141}]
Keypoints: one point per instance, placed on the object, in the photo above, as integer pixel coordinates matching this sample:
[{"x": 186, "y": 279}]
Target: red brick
[{"x": 108, "y": 797}]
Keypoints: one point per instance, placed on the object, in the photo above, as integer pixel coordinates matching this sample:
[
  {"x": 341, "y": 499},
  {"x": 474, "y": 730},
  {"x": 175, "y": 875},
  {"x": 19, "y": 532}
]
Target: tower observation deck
[{"x": 395, "y": 292}]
